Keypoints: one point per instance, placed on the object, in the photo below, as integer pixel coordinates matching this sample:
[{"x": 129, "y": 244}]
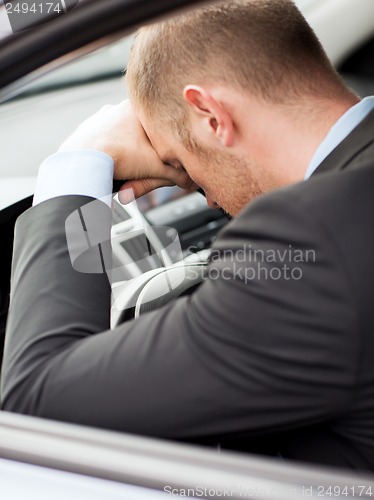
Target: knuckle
[
  {"x": 186, "y": 182},
  {"x": 146, "y": 184}
]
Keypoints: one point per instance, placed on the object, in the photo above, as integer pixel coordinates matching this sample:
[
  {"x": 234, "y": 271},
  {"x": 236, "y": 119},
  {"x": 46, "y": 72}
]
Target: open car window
[{"x": 35, "y": 122}]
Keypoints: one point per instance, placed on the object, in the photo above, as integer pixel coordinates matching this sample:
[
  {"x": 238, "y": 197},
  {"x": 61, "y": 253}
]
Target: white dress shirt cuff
[{"x": 85, "y": 173}]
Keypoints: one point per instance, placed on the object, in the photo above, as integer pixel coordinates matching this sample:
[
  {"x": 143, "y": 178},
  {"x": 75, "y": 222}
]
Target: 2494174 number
[
  {"x": 34, "y": 8},
  {"x": 345, "y": 491}
]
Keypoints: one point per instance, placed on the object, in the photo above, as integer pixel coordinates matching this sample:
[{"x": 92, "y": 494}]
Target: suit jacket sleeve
[{"x": 247, "y": 353}]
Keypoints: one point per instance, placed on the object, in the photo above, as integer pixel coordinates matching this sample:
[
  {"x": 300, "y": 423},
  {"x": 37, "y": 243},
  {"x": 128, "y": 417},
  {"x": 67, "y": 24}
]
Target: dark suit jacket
[{"x": 259, "y": 361}]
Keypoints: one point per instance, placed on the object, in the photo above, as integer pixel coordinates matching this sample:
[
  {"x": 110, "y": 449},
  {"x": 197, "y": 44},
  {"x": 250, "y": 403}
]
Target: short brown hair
[{"x": 265, "y": 47}]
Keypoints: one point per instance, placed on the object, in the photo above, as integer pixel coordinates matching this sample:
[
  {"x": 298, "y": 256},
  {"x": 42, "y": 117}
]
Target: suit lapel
[{"x": 357, "y": 141}]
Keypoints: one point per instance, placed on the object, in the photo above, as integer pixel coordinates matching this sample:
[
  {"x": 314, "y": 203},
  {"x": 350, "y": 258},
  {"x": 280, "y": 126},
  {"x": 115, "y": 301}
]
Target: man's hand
[{"x": 116, "y": 131}]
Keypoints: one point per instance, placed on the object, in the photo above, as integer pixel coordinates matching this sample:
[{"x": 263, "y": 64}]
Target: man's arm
[{"x": 251, "y": 357}]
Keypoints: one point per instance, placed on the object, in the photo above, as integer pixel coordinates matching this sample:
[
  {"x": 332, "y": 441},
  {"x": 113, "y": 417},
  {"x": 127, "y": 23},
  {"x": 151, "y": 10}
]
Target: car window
[
  {"x": 5, "y": 26},
  {"x": 35, "y": 123},
  {"x": 105, "y": 63},
  {"x": 358, "y": 69},
  {"x": 352, "y": 26},
  {"x": 49, "y": 110}
]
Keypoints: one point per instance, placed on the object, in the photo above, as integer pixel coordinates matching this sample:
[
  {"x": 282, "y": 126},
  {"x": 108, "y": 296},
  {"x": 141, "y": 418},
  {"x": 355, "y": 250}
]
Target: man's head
[{"x": 214, "y": 86}]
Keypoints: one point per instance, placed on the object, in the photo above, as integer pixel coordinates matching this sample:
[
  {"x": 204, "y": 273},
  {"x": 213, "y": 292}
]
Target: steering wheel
[
  {"x": 156, "y": 288},
  {"x": 90, "y": 249}
]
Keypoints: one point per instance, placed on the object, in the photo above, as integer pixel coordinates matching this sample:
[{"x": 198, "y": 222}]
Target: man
[{"x": 273, "y": 356}]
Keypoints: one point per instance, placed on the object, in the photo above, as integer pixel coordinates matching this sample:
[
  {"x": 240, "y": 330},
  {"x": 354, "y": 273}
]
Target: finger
[
  {"x": 178, "y": 176},
  {"x": 134, "y": 189}
]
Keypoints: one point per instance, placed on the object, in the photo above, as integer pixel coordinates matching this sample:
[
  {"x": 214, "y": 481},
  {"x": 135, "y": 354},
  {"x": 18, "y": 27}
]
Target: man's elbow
[{"x": 21, "y": 399}]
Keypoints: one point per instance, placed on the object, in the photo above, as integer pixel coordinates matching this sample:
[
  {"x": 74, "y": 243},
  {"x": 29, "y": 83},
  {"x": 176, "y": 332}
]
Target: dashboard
[{"x": 154, "y": 221}]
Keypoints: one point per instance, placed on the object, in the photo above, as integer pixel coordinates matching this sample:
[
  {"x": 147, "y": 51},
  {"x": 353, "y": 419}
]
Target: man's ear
[{"x": 213, "y": 113}]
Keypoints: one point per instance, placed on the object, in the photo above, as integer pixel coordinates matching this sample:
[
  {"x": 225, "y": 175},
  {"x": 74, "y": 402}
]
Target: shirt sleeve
[{"x": 85, "y": 173}]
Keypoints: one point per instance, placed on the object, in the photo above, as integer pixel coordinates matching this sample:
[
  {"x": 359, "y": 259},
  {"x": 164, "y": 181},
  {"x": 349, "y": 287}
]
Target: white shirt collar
[{"x": 340, "y": 131}]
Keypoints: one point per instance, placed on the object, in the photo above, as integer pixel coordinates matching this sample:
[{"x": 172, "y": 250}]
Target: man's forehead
[{"x": 159, "y": 141}]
